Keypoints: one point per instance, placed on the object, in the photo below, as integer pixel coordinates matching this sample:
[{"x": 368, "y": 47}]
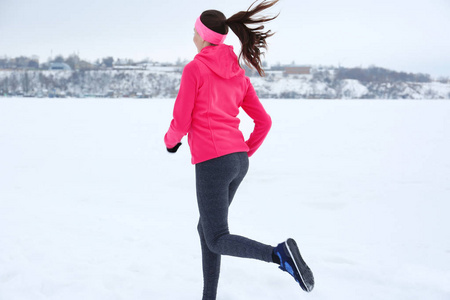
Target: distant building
[
  {"x": 84, "y": 65},
  {"x": 59, "y": 66},
  {"x": 128, "y": 67},
  {"x": 298, "y": 70},
  {"x": 291, "y": 69}
]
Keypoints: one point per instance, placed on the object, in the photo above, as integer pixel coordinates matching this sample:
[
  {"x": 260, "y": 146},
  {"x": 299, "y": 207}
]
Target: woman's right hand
[{"x": 174, "y": 149}]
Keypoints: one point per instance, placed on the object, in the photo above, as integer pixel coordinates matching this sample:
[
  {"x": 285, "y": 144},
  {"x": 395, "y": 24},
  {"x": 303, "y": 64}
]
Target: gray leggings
[{"x": 217, "y": 181}]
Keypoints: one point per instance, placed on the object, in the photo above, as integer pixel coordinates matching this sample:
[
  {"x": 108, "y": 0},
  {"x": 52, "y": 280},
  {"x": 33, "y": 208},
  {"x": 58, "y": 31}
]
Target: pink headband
[{"x": 208, "y": 34}]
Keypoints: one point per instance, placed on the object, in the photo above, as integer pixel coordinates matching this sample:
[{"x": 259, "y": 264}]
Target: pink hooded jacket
[{"x": 213, "y": 87}]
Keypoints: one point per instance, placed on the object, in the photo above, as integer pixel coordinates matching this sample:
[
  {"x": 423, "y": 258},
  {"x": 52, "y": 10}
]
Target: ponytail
[{"x": 252, "y": 39}]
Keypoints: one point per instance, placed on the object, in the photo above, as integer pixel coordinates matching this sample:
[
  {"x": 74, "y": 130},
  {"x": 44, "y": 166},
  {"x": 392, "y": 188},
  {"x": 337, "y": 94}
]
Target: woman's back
[
  {"x": 222, "y": 87},
  {"x": 213, "y": 87}
]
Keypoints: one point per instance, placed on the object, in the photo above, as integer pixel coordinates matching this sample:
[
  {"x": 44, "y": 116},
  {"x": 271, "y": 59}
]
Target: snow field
[{"x": 93, "y": 207}]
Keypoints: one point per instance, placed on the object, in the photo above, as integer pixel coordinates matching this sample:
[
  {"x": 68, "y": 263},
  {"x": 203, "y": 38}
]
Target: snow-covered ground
[{"x": 93, "y": 207}]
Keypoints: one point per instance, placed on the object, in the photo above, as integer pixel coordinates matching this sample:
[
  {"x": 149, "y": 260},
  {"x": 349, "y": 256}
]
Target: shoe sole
[{"x": 306, "y": 275}]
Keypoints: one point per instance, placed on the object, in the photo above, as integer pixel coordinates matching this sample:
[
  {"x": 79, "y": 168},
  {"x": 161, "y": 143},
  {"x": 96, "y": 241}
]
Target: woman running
[{"x": 213, "y": 88}]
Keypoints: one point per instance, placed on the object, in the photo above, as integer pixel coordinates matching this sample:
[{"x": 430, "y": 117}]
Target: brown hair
[{"x": 252, "y": 39}]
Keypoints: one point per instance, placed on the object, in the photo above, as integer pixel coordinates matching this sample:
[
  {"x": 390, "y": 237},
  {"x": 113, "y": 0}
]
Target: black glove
[{"x": 174, "y": 149}]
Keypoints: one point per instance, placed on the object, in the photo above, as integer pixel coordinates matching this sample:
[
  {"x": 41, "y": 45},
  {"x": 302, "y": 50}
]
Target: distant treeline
[
  {"x": 73, "y": 61},
  {"x": 376, "y": 74},
  {"x": 371, "y": 74}
]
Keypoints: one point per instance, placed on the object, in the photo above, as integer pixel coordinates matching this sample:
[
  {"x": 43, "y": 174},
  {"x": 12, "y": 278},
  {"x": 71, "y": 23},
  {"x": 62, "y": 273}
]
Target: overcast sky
[{"x": 403, "y": 35}]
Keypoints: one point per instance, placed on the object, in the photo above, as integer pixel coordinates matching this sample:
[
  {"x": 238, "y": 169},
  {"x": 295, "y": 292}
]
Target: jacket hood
[{"x": 221, "y": 60}]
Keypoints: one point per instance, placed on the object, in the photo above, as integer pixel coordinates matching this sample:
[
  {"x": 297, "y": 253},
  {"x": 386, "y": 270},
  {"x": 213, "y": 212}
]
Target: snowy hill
[{"x": 163, "y": 82}]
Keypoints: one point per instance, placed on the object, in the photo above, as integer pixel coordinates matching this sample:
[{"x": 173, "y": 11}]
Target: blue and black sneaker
[{"x": 292, "y": 262}]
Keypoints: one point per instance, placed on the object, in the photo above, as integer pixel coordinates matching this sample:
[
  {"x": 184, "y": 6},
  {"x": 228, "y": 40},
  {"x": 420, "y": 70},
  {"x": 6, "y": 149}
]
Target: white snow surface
[{"x": 93, "y": 207}]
